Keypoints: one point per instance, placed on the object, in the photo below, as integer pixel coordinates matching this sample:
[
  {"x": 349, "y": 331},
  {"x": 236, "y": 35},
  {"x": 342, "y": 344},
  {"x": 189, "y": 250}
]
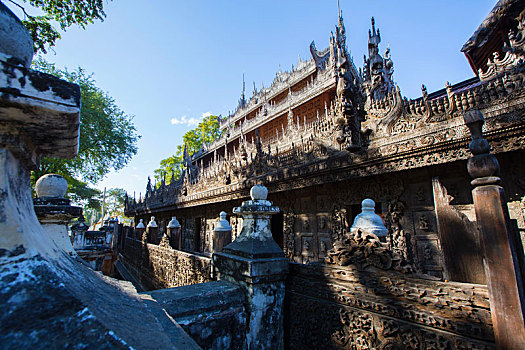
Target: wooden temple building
[{"x": 328, "y": 134}]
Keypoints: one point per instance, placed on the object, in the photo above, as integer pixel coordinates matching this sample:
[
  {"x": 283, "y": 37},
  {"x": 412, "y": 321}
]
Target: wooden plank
[{"x": 459, "y": 240}]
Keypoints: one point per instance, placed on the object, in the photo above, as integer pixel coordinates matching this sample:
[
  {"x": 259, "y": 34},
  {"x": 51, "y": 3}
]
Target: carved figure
[
  {"x": 423, "y": 223},
  {"x": 365, "y": 250}
]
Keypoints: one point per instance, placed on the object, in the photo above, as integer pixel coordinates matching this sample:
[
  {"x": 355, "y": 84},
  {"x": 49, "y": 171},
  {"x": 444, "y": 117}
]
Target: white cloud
[{"x": 185, "y": 121}]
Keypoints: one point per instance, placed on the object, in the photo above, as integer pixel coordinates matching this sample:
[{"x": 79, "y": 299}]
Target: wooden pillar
[{"x": 500, "y": 254}]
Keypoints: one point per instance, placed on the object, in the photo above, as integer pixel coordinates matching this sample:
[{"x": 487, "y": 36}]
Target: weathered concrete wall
[
  {"x": 334, "y": 307},
  {"x": 212, "y": 313},
  {"x": 158, "y": 267}
]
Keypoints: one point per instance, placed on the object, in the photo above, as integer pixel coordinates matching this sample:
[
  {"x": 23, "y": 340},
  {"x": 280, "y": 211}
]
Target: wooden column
[{"x": 500, "y": 254}]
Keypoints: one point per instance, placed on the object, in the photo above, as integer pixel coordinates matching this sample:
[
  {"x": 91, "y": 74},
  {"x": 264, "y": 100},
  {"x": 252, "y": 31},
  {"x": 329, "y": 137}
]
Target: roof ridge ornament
[
  {"x": 242, "y": 100},
  {"x": 378, "y": 70}
]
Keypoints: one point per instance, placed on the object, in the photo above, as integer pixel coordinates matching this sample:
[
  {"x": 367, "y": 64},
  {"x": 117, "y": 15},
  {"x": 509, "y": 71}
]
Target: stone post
[
  {"x": 54, "y": 211},
  {"x": 112, "y": 238},
  {"x": 39, "y": 116},
  {"x": 139, "y": 229},
  {"x": 174, "y": 233},
  {"x": 153, "y": 231},
  {"x": 499, "y": 246},
  {"x": 256, "y": 263},
  {"x": 50, "y": 300},
  {"x": 222, "y": 233},
  {"x": 78, "y": 230}
]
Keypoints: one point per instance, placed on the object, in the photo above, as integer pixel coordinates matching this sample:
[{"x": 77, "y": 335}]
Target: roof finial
[
  {"x": 339, "y": 13},
  {"x": 242, "y": 101},
  {"x": 243, "y": 86}
]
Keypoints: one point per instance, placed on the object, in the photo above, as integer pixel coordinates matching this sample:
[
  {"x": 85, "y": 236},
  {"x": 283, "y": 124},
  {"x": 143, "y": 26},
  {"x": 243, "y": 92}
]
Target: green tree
[
  {"x": 62, "y": 12},
  {"x": 206, "y": 132},
  {"x": 107, "y": 142},
  {"x": 114, "y": 206},
  {"x": 115, "y": 198}
]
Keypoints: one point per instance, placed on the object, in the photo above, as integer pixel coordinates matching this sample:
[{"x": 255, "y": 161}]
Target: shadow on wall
[
  {"x": 366, "y": 297},
  {"x": 158, "y": 267}
]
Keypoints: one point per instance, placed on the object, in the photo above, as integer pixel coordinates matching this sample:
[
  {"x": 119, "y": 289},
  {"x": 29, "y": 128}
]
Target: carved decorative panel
[
  {"x": 429, "y": 254},
  {"x": 344, "y": 308}
]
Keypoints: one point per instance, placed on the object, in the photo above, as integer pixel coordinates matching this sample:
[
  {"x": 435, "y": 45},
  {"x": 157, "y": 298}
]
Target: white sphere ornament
[
  {"x": 259, "y": 192},
  {"x": 51, "y": 185}
]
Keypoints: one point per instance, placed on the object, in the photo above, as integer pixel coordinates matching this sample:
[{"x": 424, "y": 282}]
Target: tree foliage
[
  {"x": 114, "y": 206},
  {"x": 205, "y": 133},
  {"x": 107, "y": 142},
  {"x": 115, "y": 198},
  {"x": 63, "y": 12}
]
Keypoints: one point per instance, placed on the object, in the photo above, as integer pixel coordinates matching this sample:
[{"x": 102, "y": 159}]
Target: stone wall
[
  {"x": 159, "y": 267},
  {"x": 213, "y": 313},
  {"x": 329, "y": 306}
]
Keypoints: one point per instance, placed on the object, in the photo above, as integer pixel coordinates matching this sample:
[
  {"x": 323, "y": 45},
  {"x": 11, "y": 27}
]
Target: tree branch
[{"x": 21, "y": 7}]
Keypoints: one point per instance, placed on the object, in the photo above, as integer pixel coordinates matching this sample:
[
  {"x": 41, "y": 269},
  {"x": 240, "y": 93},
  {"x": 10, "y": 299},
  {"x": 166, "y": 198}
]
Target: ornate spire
[
  {"x": 377, "y": 71},
  {"x": 185, "y": 155},
  {"x": 148, "y": 186},
  {"x": 340, "y": 16},
  {"x": 242, "y": 100},
  {"x": 340, "y": 31}
]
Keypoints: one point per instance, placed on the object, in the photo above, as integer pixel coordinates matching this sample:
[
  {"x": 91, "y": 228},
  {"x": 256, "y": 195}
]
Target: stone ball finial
[
  {"x": 368, "y": 220},
  {"x": 51, "y": 185},
  {"x": 259, "y": 192},
  {"x": 15, "y": 40},
  {"x": 140, "y": 224}
]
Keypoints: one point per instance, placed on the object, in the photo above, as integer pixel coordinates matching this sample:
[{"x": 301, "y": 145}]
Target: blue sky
[{"x": 169, "y": 62}]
